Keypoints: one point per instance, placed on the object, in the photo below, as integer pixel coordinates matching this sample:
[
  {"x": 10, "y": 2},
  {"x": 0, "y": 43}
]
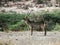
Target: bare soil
[{"x": 24, "y": 38}]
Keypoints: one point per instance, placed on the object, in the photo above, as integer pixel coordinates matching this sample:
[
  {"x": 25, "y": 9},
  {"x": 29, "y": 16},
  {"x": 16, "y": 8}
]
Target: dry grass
[{"x": 24, "y": 38}]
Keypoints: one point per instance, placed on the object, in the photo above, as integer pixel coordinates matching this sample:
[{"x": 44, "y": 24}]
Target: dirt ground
[
  {"x": 24, "y": 38},
  {"x": 14, "y": 9}
]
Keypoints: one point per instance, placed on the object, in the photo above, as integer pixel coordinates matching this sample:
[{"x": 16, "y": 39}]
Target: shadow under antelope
[{"x": 41, "y": 24}]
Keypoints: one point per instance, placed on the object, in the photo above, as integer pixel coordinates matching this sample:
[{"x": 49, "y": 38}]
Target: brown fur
[{"x": 31, "y": 24}]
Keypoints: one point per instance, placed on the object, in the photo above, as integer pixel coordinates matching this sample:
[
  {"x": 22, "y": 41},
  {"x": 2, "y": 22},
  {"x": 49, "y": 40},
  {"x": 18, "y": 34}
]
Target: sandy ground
[{"x": 24, "y": 38}]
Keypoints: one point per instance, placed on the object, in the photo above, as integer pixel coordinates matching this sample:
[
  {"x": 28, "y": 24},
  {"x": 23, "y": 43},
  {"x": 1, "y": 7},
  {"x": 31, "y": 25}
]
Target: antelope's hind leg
[
  {"x": 31, "y": 30},
  {"x": 45, "y": 33},
  {"x": 43, "y": 28}
]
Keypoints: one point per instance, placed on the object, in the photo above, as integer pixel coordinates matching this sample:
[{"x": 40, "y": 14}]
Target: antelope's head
[{"x": 26, "y": 18}]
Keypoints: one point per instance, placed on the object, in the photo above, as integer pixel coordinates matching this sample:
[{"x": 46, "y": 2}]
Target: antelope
[{"x": 32, "y": 23}]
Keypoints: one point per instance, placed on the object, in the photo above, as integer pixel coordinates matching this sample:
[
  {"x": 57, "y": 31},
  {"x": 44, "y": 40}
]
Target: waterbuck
[{"x": 31, "y": 24}]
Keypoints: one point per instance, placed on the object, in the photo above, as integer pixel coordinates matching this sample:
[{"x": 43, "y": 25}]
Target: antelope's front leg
[
  {"x": 44, "y": 30},
  {"x": 31, "y": 30}
]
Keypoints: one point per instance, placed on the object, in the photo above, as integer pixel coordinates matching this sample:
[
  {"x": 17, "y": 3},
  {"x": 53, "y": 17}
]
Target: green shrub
[
  {"x": 39, "y": 1},
  {"x": 7, "y": 19},
  {"x": 57, "y": 27},
  {"x": 52, "y": 18},
  {"x": 20, "y": 26},
  {"x": 13, "y": 21}
]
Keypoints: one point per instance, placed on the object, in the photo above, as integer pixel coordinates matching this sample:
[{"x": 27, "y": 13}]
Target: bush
[
  {"x": 51, "y": 18},
  {"x": 7, "y": 19},
  {"x": 15, "y": 22},
  {"x": 54, "y": 16},
  {"x": 20, "y": 26},
  {"x": 39, "y": 1},
  {"x": 57, "y": 27}
]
